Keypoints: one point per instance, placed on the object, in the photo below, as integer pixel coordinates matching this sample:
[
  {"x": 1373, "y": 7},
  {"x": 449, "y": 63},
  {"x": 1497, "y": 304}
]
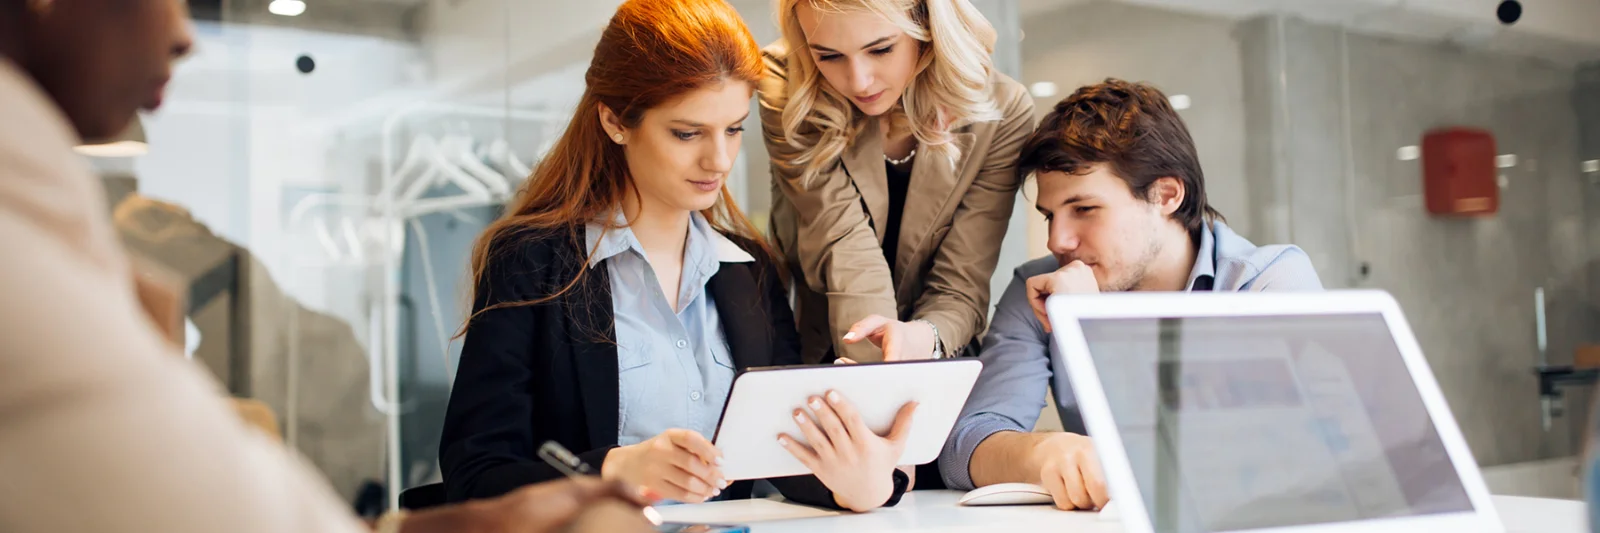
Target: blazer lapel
[
  {"x": 863, "y": 161},
  {"x": 593, "y": 335},
  {"x": 933, "y": 185},
  {"x": 744, "y": 323}
]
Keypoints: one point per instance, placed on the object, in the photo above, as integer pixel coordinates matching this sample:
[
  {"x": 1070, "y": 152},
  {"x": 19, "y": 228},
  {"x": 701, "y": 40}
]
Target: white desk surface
[{"x": 936, "y": 511}]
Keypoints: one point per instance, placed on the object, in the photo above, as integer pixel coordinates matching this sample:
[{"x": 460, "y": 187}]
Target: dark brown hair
[
  {"x": 1132, "y": 128},
  {"x": 652, "y": 52}
]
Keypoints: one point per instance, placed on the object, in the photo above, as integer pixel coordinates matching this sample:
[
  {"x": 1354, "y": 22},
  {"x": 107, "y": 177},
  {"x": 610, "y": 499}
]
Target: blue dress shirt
[{"x": 674, "y": 367}]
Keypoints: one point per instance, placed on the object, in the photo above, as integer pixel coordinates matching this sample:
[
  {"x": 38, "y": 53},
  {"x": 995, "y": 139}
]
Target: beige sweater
[{"x": 103, "y": 428}]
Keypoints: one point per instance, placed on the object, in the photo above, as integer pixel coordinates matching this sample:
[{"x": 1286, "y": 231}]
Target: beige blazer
[{"x": 950, "y": 232}]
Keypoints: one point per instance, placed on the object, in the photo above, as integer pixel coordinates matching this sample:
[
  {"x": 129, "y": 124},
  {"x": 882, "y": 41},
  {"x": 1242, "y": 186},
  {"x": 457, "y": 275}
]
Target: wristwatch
[{"x": 938, "y": 342}]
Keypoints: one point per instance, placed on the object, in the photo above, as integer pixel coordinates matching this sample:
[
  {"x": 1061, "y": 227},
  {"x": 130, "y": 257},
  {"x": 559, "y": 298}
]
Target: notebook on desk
[
  {"x": 1267, "y": 412},
  {"x": 740, "y": 512}
]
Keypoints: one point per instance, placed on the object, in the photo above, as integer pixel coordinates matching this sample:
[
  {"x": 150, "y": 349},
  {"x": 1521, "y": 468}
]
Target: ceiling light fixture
[
  {"x": 1409, "y": 153},
  {"x": 287, "y": 8},
  {"x": 1180, "y": 101},
  {"x": 1042, "y": 89}
]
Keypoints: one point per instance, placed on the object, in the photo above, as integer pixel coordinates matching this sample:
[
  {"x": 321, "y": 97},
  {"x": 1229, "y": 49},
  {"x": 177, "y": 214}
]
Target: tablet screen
[{"x": 1246, "y": 422}]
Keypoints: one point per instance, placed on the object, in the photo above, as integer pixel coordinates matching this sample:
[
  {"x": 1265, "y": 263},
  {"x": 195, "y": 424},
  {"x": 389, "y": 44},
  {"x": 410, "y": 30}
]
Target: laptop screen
[{"x": 1245, "y": 422}]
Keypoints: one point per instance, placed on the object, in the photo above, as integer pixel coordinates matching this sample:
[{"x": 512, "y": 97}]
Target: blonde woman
[{"x": 894, "y": 143}]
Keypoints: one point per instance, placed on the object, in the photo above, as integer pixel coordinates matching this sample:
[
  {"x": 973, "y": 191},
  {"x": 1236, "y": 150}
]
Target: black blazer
[{"x": 549, "y": 372}]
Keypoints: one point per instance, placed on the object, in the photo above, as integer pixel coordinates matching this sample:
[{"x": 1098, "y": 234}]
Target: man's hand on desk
[
  {"x": 579, "y": 504},
  {"x": 1070, "y": 469}
]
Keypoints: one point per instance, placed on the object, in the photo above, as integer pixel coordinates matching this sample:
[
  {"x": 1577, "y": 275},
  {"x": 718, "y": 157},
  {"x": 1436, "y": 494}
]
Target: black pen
[{"x": 564, "y": 461}]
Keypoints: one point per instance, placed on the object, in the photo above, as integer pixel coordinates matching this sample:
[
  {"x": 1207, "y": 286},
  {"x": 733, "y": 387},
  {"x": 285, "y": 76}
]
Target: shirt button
[
  {"x": 694, "y": 396},
  {"x": 683, "y": 343}
]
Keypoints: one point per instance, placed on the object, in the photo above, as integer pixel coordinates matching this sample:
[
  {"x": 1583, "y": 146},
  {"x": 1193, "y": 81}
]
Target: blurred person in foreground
[
  {"x": 1121, "y": 188},
  {"x": 103, "y": 426}
]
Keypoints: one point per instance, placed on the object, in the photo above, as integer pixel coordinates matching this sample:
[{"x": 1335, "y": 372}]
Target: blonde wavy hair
[{"x": 949, "y": 90}]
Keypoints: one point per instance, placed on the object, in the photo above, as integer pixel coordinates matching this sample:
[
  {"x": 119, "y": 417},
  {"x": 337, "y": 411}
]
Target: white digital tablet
[
  {"x": 763, "y": 401},
  {"x": 1292, "y": 412}
]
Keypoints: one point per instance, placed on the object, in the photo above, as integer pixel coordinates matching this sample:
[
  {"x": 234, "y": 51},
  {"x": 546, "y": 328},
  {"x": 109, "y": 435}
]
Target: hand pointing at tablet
[
  {"x": 900, "y": 341},
  {"x": 845, "y": 454}
]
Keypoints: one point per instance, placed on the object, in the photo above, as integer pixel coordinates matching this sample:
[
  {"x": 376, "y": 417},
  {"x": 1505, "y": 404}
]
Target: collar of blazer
[{"x": 934, "y": 184}]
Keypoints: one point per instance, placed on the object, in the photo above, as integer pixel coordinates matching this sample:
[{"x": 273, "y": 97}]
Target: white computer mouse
[
  {"x": 1008, "y": 494},
  {"x": 1109, "y": 513}
]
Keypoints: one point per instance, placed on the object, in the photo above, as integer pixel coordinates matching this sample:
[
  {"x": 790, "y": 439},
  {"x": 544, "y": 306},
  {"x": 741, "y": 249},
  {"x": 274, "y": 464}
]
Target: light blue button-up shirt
[
  {"x": 674, "y": 366},
  {"x": 1020, "y": 362}
]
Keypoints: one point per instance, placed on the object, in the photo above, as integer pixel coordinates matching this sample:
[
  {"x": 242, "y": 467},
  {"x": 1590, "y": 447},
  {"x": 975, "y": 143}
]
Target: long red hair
[{"x": 651, "y": 52}]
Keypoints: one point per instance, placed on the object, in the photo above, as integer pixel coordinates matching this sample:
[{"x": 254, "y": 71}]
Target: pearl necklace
[{"x": 898, "y": 162}]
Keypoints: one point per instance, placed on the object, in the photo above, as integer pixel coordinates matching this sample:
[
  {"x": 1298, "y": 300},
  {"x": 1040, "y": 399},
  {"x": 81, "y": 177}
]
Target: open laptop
[{"x": 1267, "y": 412}]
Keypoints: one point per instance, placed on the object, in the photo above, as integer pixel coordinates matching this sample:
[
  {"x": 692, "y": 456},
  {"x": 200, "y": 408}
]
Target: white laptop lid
[{"x": 1267, "y": 412}]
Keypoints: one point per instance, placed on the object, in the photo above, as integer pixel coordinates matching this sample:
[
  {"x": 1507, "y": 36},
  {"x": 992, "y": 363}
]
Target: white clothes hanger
[
  {"x": 460, "y": 151},
  {"x": 415, "y": 162},
  {"x": 433, "y": 167},
  {"x": 500, "y": 152}
]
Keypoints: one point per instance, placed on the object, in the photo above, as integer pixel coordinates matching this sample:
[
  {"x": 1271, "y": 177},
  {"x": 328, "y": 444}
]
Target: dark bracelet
[{"x": 902, "y": 484}]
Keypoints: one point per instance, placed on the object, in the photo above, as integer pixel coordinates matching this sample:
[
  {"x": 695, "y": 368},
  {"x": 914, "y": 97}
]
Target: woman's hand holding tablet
[{"x": 845, "y": 454}]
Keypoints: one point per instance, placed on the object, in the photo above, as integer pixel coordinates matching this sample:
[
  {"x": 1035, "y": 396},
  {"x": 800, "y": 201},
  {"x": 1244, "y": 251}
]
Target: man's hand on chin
[{"x": 1075, "y": 278}]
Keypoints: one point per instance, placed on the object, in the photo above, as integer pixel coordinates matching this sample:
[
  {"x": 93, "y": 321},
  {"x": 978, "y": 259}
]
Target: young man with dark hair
[{"x": 1121, "y": 188}]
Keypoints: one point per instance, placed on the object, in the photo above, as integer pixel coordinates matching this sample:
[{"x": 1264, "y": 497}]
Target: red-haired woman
[{"x": 621, "y": 292}]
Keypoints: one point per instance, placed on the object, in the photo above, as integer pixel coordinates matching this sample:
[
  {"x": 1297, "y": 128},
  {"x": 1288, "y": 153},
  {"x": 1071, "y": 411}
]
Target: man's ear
[{"x": 1167, "y": 193}]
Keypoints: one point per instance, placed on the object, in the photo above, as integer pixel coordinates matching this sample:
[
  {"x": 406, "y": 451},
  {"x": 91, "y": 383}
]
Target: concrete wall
[
  {"x": 1560, "y": 30},
  {"x": 1586, "y": 100},
  {"x": 1327, "y": 112}
]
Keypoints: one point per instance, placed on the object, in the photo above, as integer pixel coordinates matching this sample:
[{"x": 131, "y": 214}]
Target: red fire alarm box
[{"x": 1459, "y": 172}]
